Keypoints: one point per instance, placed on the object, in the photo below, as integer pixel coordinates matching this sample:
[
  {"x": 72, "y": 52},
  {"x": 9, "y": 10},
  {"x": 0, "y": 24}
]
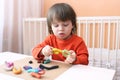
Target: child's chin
[{"x": 62, "y": 38}]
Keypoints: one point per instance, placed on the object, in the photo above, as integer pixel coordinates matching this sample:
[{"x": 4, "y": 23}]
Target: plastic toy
[
  {"x": 27, "y": 67},
  {"x": 46, "y": 61},
  {"x": 64, "y": 52},
  {"x": 9, "y": 65},
  {"x": 30, "y": 62},
  {"x": 38, "y": 75},
  {"x": 35, "y": 75},
  {"x": 17, "y": 70},
  {"x": 36, "y": 70},
  {"x": 48, "y": 68},
  {"x": 41, "y": 72},
  {"x": 56, "y": 51}
]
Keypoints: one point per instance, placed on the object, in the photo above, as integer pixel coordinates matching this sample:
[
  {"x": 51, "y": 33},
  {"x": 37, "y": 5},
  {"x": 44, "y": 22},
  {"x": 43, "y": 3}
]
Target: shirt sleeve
[
  {"x": 81, "y": 54},
  {"x": 36, "y": 52}
]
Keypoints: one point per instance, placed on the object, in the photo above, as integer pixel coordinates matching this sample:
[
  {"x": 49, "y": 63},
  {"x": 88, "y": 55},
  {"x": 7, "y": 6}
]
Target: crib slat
[
  {"x": 101, "y": 41},
  {"x": 108, "y": 45}
]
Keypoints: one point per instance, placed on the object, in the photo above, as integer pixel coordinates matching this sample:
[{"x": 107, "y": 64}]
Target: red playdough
[{"x": 37, "y": 75}]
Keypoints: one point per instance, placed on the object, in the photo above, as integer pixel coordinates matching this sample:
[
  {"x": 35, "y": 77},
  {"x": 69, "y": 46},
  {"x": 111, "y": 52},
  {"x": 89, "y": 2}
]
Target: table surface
[{"x": 64, "y": 72}]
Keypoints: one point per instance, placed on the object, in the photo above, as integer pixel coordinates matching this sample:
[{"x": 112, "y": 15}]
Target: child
[{"x": 61, "y": 20}]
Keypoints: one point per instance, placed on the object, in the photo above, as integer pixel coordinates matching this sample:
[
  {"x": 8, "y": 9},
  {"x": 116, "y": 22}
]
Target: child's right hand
[{"x": 47, "y": 50}]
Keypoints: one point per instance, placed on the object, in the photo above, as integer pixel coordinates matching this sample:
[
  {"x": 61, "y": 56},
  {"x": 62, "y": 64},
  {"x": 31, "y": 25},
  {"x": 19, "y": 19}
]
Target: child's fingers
[
  {"x": 69, "y": 59},
  {"x": 47, "y": 50},
  {"x": 72, "y": 54},
  {"x": 66, "y": 61}
]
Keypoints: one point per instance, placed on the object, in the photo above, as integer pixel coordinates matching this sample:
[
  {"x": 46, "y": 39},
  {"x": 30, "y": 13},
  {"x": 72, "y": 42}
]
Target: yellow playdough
[
  {"x": 56, "y": 51},
  {"x": 64, "y": 52},
  {"x": 17, "y": 70}
]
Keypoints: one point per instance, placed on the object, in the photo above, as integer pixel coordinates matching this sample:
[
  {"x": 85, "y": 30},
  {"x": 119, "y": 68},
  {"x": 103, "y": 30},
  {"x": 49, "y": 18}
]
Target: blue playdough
[{"x": 46, "y": 61}]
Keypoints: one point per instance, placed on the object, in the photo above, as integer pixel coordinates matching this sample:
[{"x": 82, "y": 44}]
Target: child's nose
[{"x": 60, "y": 27}]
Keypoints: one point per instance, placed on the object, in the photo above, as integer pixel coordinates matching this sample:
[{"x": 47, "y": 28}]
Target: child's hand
[
  {"x": 71, "y": 58},
  {"x": 47, "y": 50}
]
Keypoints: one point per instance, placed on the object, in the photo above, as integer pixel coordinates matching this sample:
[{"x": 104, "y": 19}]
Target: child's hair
[{"x": 61, "y": 12}]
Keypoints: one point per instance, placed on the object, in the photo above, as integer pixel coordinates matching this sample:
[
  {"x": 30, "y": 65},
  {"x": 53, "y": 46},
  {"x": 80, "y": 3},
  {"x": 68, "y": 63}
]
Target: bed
[{"x": 101, "y": 35}]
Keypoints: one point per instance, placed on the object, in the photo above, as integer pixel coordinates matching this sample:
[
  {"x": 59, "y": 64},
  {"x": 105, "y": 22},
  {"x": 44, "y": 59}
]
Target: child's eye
[
  {"x": 65, "y": 24},
  {"x": 55, "y": 25}
]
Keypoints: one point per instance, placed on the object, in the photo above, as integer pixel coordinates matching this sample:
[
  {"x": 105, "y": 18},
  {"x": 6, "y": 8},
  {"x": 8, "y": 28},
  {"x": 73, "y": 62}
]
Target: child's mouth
[{"x": 61, "y": 34}]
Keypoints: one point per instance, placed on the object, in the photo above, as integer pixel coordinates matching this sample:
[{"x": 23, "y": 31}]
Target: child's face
[{"x": 62, "y": 30}]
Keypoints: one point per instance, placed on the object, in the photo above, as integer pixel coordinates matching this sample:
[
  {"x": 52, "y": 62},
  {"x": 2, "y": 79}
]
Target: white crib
[{"x": 101, "y": 34}]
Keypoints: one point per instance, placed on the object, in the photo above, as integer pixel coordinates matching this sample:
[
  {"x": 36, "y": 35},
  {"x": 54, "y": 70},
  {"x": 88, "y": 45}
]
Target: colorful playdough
[
  {"x": 9, "y": 65},
  {"x": 64, "y": 52}
]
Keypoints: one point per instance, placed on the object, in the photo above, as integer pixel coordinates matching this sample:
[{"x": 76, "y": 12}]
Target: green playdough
[{"x": 64, "y": 52}]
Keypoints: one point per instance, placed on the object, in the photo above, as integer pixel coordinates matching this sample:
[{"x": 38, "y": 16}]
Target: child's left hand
[{"x": 71, "y": 58}]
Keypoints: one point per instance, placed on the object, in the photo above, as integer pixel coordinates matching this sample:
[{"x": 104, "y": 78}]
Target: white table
[{"x": 76, "y": 72}]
